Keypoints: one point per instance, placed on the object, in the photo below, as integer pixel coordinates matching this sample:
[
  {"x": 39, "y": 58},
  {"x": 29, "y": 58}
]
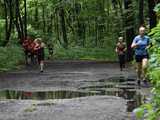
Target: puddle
[
  {"x": 119, "y": 87},
  {"x": 42, "y": 95}
]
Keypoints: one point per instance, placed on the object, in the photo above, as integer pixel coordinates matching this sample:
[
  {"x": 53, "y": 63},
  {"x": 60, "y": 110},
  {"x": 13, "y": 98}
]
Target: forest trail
[
  {"x": 69, "y": 90},
  {"x": 75, "y": 72}
]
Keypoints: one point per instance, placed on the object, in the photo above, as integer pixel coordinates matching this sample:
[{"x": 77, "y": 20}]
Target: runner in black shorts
[
  {"x": 120, "y": 50},
  {"x": 141, "y": 44},
  {"x": 40, "y": 52},
  {"x": 139, "y": 58}
]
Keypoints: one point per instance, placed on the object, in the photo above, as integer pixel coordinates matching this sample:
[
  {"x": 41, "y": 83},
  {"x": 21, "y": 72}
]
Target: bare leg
[
  {"x": 139, "y": 70},
  {"x": 144, "y": 67}
]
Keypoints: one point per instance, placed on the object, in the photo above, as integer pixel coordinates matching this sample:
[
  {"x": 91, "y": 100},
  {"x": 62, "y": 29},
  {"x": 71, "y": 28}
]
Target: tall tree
[
  {"x": 63, "y": 27},
  {"x": 44, "y": 20},
  {"x": 8, "y": 9},
  {"x": 19, "y": 21},
  {"x": 129, "y": 28},
  {"x": 152, "y": 14},
  {"x": 25, "y": 18},
  {"x": 141, "y": 12}
]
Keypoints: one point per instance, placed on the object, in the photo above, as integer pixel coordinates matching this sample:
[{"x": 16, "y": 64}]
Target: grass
[
  {"x": 10, "y": 57},
  {"x": 98, "y": 54}
]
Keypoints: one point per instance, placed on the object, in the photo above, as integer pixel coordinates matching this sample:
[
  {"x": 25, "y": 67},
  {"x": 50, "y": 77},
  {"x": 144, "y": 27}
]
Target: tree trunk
[
  {"x": 20, "y": 19},
  {"x": 25, "y": 18},
  {"x": 63, "y": 26},
  {"x": 84, "y": 35},
  {"x": 152, "y": 14},
  {"x": 9, "y": 20},
  {"x": 18, "y": 22},
  {"x": 141, "y": 12},
  {"x": 120, "y": 3},
  {"x": 50, "y": 25},
  {"x": 6, "y": 23},
  {"x": 129, "y": 30},
  {"x": 36, "y": 16},
  {"x": 57, "y": 27},
  {"x": 44, "y": 22},
  {"x": 97, "y": 35}
]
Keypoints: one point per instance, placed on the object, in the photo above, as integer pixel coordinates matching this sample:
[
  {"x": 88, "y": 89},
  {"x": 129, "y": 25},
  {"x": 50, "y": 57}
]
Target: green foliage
[
  {"x": 89, "y": 24},
  {"x": 2, "y": 30},
  {"x": 78, "y": 53},
  {"x": 92, "y": 26},
  {"x": 139, "y": 113},
  {"x": 10, "y": 57},
  {"x": 157, "y": 9},
  {"x": 153, "y": 108}
]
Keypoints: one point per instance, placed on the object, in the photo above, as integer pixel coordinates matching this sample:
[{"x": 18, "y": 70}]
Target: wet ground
[{"x": 70, "y": 90}]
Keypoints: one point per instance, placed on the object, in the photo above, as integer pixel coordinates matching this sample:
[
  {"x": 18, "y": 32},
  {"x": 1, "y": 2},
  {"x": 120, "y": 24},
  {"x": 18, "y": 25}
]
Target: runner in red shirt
[{"x": 120, "y": 50}]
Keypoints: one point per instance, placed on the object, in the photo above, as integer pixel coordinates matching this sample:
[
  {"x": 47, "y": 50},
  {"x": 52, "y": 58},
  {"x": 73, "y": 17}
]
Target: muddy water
[{"x": 120, "y": 87}]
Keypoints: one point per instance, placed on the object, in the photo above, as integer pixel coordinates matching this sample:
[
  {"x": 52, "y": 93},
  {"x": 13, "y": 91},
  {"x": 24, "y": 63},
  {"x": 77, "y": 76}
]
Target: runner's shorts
[{"x": 139, "y": 58}]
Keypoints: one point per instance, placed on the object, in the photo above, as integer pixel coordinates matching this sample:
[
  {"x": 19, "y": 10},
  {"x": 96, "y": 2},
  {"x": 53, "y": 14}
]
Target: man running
[{"x": 141, "y": 44}]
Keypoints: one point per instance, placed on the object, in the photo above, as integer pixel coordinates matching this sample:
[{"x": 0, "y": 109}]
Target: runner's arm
[
  {"x": 149, "y": 44},
  {"x": 134, "y": 43},
  {"x": 116, "y": 49}
]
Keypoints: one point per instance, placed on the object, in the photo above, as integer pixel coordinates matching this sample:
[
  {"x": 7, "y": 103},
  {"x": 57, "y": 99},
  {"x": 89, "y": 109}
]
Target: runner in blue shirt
[{"x": 141, "y": 44}]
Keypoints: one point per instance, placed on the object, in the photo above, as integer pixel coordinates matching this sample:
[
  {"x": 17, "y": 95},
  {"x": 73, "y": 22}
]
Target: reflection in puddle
[
  {"x": 121, "y": 87},
  {"x": 9, "y": 94}
]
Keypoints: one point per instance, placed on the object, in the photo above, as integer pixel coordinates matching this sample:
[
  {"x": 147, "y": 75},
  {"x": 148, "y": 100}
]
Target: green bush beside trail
[{"x": 10, "y": 57}]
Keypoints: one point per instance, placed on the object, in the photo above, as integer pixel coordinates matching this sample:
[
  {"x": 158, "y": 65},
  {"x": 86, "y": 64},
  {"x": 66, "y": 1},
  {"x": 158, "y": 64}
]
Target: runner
[
  {"x": 120, "y": 50},
  {"x": 141, "y": 44},
  {"x": 28, "y": 46},
  {"x": 39, "y": 48},
  {"x": 50, "y": 50}
]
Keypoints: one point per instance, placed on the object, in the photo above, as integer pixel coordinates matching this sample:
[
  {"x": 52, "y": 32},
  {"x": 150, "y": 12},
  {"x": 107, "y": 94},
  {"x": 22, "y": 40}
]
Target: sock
[{"x": 41, "y": 66}]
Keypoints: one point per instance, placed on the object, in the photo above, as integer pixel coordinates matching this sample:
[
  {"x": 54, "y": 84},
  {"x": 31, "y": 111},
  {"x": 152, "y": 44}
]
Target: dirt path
[
  {"x": 64, "y": 76},
  {"x": 61, "y": 75}
]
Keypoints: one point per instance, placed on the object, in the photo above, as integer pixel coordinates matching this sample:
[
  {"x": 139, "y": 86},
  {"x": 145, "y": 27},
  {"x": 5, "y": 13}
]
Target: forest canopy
[{"x": 75, "y": 24}]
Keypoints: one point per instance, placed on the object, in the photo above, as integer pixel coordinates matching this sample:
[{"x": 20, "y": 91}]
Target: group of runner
[
  {"x": 140, "y": 44},
  {"x": 35, "y": 50}
]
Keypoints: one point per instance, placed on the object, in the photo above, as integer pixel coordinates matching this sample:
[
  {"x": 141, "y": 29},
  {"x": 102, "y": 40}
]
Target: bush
[
  {"x": 153, "y": 106},
  {"x": 10, "y": 57}
]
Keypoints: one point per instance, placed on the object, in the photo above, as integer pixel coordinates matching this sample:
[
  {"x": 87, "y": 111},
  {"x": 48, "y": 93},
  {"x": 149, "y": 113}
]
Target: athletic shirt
[
  {"x": 142, "y": 42},
  {"x": 121, "y": 47},
  {"x": 25, "y": 44}
]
